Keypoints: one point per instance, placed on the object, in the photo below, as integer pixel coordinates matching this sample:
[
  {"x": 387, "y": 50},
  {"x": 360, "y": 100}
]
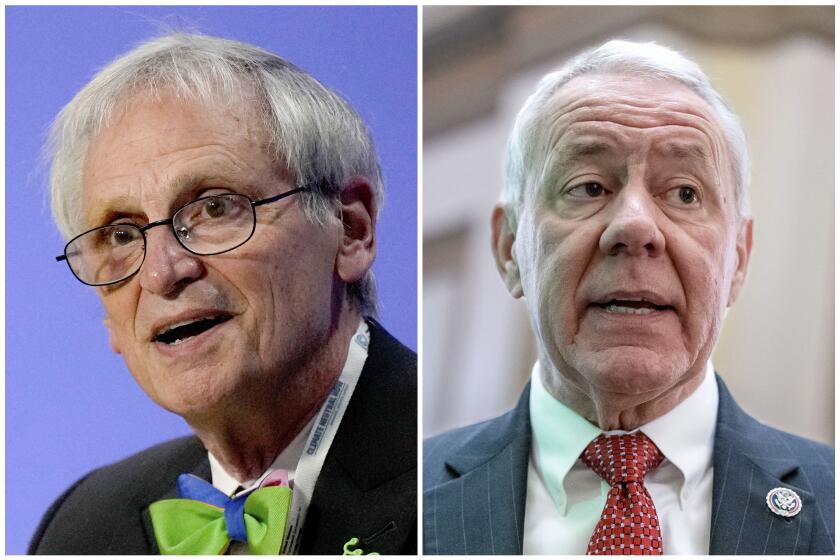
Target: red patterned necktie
[{"x": 629, "y": 524}]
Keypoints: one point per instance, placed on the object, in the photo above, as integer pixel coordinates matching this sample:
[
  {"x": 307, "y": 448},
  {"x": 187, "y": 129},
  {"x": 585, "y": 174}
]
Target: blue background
[{"x": 71, "y": 404}]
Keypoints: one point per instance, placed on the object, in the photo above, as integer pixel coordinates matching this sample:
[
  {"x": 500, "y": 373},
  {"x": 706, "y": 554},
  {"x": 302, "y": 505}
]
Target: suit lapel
[
  {"x": 749, "y": 461},
  {"x": 200, "y": 469},
  {"x": 367, "y": 487},
  {"x": 484, "y": 506}
]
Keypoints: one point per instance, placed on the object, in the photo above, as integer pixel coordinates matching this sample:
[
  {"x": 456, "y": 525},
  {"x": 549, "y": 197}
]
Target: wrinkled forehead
[
  {"x": 640, "y": 100},
  {"x": 145, "y": 123},
  {"x": 628, "y": 111},
  {"x": 237, "y": 99},
  {"x": 169, "y": 145}
]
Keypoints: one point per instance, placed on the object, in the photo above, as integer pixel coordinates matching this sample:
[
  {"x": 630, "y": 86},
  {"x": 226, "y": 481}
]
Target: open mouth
[
  {"x": 178, "y": 333},
  {"x": 631, "y": 307}
]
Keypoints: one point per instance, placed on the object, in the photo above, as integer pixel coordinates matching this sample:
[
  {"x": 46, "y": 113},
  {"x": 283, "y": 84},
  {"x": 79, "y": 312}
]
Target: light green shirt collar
[{"x": 559, "y": 437}]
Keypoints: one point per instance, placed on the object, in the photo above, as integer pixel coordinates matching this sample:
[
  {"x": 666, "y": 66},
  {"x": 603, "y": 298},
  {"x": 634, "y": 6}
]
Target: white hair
[
  {"x": 313, "y": 132},
  {"x": 526, "y": 146}
]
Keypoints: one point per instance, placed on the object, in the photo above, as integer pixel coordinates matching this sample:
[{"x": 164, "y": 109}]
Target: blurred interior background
[{"x": 775, "y": 67}]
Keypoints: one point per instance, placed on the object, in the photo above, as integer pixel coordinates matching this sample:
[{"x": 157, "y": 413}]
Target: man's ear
[
  {"x": 112, "y": 339},
  {"x": 357, "y": 247},
  {"x": 743, "y": 249},
  {"x": 503, "y": 252}
]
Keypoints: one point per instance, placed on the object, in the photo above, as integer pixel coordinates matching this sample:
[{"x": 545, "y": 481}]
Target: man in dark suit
[
  {"x": 625, "y": 226},
  {"x": 247, "y": 312}
]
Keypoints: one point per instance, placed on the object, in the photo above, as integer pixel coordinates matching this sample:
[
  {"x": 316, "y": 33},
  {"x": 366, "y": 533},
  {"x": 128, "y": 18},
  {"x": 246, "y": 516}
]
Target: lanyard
[{"x": 321, "y": 437}]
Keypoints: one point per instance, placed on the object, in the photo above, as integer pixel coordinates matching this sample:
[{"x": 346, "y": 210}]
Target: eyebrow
[
  {"x": 568, "y": 154},
  {"x": 575, "y": 151},
  {"x": 683, "y": 151},
  {"x": 183, "y": 186}
]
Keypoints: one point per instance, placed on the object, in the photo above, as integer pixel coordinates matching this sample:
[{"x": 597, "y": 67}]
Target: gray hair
[
  {"x": 313, "y": 131},
  {"x": 527, "y": 143}
]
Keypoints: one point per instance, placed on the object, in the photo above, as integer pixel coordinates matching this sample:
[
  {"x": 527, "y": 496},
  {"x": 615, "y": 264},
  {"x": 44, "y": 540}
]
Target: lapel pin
[{"x": 784, "y": 502}]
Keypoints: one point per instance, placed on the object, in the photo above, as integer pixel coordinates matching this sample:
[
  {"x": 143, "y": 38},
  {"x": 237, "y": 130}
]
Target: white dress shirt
[{"x": 565, "y": 498}]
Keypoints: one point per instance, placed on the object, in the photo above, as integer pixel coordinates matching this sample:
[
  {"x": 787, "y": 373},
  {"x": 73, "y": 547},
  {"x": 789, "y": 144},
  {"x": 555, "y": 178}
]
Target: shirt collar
[
  {"x": 560, "y": 435},
  {"x": 691, "y": 447},
  {"x": 288, "y": 460}
]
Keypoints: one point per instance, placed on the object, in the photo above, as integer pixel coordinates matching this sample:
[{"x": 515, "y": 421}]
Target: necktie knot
[
  {"x": 621, "y": 459},
  {"x": 629, "y": 523}
]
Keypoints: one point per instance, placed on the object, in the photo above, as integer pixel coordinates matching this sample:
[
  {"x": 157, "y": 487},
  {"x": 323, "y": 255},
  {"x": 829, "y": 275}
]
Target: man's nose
[
  {"x": 633, "y": 229},
  {"x": 167, "y": 266}
]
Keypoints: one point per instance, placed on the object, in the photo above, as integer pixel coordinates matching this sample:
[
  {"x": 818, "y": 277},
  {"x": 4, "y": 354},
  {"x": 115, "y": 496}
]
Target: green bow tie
[{"x": 207, "y": 525}]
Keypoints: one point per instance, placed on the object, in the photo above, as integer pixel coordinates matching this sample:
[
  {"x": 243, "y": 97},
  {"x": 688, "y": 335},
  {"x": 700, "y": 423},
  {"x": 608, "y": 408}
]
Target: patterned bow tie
[
  {"x": 205, "y": 521},
  {"x": 629, "y": 524}
]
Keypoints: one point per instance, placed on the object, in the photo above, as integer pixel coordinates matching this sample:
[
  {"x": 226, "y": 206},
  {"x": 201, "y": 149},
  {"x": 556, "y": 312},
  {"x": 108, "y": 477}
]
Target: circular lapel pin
[{"x": 784, "y": 502}]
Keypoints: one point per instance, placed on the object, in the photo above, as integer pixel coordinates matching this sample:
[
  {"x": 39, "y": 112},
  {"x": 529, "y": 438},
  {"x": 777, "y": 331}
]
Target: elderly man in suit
[
  {"x": 223, "y": 203},
  {"x": 625, "y": 226}
]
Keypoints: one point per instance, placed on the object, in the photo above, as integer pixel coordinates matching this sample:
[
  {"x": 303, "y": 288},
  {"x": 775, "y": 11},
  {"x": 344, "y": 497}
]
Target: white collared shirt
[
  {"x": 287, "y": 460},
  {"x": 565, "y": 498}
]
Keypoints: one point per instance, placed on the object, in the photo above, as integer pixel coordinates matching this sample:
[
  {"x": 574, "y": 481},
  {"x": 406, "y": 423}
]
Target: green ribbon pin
[{"x": 351, "y": 550}]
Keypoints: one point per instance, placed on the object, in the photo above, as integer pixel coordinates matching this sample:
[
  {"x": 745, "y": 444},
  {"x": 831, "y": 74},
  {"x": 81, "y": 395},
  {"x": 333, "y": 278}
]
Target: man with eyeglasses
[{"x": 223, "y": 204}]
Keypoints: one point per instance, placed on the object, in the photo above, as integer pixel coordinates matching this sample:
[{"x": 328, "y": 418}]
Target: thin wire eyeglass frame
[{"x": 171, "y": 222}]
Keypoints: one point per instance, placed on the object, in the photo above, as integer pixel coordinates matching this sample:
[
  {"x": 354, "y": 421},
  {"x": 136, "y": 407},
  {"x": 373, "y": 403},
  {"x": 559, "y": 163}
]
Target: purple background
[{"x": 71, "y": 404}]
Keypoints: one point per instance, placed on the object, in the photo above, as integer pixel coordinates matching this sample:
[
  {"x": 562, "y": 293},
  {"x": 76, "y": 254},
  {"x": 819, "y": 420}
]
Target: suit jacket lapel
[
  {"x": 486, "y": 500},
  {"x": 200, "y": 469},
  {"x": 368, "y": 484},
  {"x": 748, "y": 463}
]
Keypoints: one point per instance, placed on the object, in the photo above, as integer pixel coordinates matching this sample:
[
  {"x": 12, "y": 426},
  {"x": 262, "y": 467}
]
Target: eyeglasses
[{"x": 207, "y": 226}]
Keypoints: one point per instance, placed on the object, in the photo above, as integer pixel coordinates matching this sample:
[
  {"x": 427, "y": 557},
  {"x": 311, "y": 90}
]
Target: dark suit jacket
[
  {"x": 369, "y": 477},
  {"x": 475, "y": 485}
]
